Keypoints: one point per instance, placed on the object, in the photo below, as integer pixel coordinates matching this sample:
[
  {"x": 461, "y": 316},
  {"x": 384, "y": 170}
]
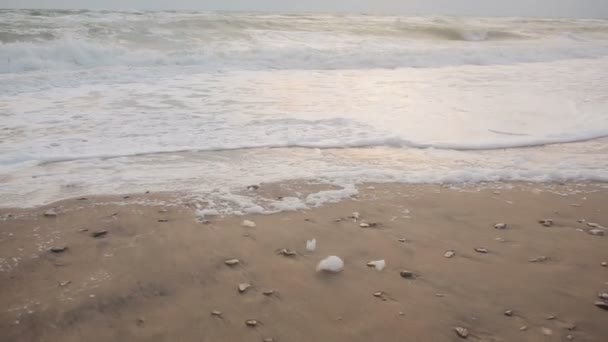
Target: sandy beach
[{"x": 158, "y": 273}]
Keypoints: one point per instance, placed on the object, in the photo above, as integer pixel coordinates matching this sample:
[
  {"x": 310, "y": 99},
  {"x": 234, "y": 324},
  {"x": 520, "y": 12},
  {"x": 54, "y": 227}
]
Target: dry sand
[{"x": 147, "y": 280}]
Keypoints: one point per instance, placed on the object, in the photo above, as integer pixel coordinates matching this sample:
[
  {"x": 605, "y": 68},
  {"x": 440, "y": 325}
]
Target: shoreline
[{"x": 158, "y": 272}]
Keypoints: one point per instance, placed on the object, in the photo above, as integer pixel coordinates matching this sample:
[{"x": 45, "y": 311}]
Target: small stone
[
  {"x": 83, "y": 229},
  {"x": 378, "y": 294},
  {"x": 500, "y": 226},
  {"x": 499, "y": 239},
  {"x": 244, "y": 287},
  {"x": 50, "y": 213},
  {"x": 569, "y": 337},
  {"x": 355, "y": 215},
  {"x": 268, "y": 292},
  {"x": 253, "y": 187},
  {"x": 232, "y": 262},
  {"x": 99, "y": 233},
  {"x": 603, "y": 295},
  {"x": 462, "y": 332},
  {"x": 541, "y": 258},
  {"x": 402, "y": 240},
  {"x": 439, "y": 295},
  {"x": 401, "y": 313},
  {"x": 449, "y": 254},
  {"x": 481, "y": 250},
  {"x": 65, "y": 283},
  {"x": 141, "y": 321},
  {"x": 407, "y": 274},
  {"x": 251, "y": 322},
  {"x": 546, "y": 331},
  {"x": 126, "y": 197},
  {"x": 216, "y": 313},
  {"x": 92, "y": 296},
  {"x": 59, "y": 249},
  {"x": 163, "y": 220},
  {"x": 82, "y": 199},
  {"x": 604, "y": 264},
  {"x": 523, "y": 328},
  {"x": 601, "y": 305},
  {"x": 287, "y": 252},
  {"x": 593, "y": 225},
  {"x": 508, "y": 313},
  {"x": 581, "y": 221},
  {"x": 247, "y": 223},
  {"x": 596, "y": 232},
  {"x": 550, "y": 317},
  {"x": 546, "y": 222}
]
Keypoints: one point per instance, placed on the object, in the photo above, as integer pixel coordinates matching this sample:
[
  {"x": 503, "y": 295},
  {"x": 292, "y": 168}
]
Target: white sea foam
[{"x": 208, "y": 103}]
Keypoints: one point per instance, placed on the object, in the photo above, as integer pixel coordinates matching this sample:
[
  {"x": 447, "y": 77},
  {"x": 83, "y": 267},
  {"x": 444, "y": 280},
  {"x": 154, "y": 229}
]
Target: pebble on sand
[
  {"x": 251, "y": 323},
  {"x": 268, "y": 292},
  {"x": 50, "y": 213},
  {"x": 601, "y": 304},
  {"x": 407, "y": 274},
  {"x": 596, "y": 232},
  {"x": 604, "y": 264},
  {"x": 523, "y": 328},
  {"x": 546, "y": 331},
  {"x": 367, "y": 224},
  {"x": 541, "y": 258},
  {"x": 508, "y": 313},
  {"x": 355, "y": 215},
  {"x": 65, "y": 283},
  {"x": 244, "y": 287},
  {"x": 593, "y": 225},
  {"x": 378, "y": 264},
  {"x": 232, "y": 262},
  {"x": 500, "y": 225},
  {"x": 247, "y": 223},
  {"x": 481, "y": 250},
  {"x": 449, "y": 254},
  {"x": 546, "y": 222},
  {"x": 99, "y": 233},
  {"x": 216, "y": 313},
  {"x": 331, "y": 264},
  {"x": 402, "y": 240},
  {"x": 462, "y": 332},
  {"x": 59, "y": 249}
]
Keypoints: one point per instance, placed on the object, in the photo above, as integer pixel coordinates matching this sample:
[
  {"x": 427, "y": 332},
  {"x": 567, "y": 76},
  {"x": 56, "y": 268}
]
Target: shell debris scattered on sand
[
  {"x": 244, "y": 287},
  {"x": 311, "y": 245},
  {"x": 331, "y": 264},
  {"x": 50, "y": 213},
  {"x": 249, "y": 224},
  {"x": 596, "y": 232},
  {"x": 287, "y": 252},
  {"x": 232, "y": 262},
  {"x": 462, "y": 332},
  {"x": 541, "y": 258},
  {"x": 378, "y": 264}
]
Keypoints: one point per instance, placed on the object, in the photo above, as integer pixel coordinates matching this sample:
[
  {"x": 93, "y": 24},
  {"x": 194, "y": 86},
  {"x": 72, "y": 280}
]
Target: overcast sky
[{"x": 567, "y": 8}]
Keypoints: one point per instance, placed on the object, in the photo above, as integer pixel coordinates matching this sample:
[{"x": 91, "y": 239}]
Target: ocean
[{"x": 107, "y": 102}]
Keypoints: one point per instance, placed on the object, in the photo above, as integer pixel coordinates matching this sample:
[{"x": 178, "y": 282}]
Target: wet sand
[{"x": 157, "y": 276}]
